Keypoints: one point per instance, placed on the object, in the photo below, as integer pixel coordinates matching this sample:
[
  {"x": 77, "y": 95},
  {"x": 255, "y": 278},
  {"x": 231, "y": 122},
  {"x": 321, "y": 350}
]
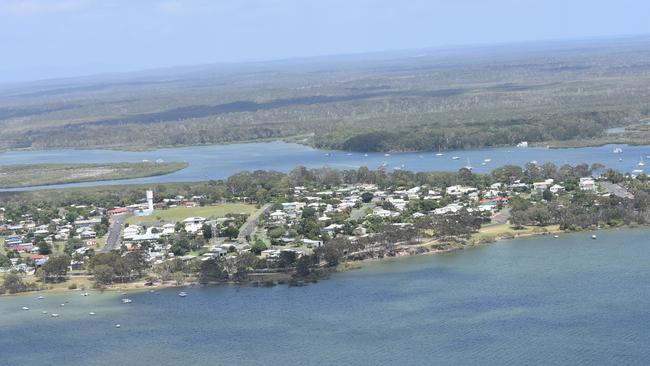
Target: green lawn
[{"x": 180, "y": 213}]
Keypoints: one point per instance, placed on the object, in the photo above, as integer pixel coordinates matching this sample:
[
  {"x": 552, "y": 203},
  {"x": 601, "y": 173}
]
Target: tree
[
  {"x": 207, "y": 231},
  {"x": 73, "y": 244},
  {"x": 303, "y": 266},
  {"x": 103, "y": 274},
  {"x": 56, "y": 268},
  {"x": 44, "y": 248},
  {"x": 4, "y": 261},
  {"x": 258, "y": 247},
  {"x": 212, "y": 270},
  {"x": 286, "y": 258},
  {"x": 366, "y": 197},
  {"x": 547, "y": 195},
  {"x": 13, "y": 283},
  {"x": 230, "y": 232}
]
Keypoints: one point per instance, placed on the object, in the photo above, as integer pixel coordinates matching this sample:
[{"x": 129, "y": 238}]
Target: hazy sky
[{"x": 54, "y": 38}]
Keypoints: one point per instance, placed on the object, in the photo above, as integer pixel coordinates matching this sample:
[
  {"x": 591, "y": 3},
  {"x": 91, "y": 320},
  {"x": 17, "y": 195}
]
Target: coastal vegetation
[
  {"x": 26, "y": 175},
  {"x": 559, "y": 94}
]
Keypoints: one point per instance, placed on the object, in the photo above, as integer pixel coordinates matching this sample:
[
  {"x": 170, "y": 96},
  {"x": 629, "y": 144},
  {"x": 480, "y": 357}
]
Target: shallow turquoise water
[{"x": 540, "y": 301}]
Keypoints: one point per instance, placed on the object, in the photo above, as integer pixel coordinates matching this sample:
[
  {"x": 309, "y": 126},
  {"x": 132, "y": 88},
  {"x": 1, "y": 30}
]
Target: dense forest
[{"x": 554, "y": 93}]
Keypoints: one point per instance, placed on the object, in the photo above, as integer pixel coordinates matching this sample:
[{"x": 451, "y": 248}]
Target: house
[
  {"x": 312, "y": 243},
  {"x": 333, "y": 228},
  {"x": 540, "y": 187},
  {"x": 117, "y": 211},
  {"x": 277, "y": 217},
  {"x": 459, "y": 190},
  {"x": 451, "y": 208},
  {"x": 168, "y": 229},
  {"x": 556, "y": 188},
  {"x": 193, "y": 224},
  {"x": 588, "y": 184},
  {"x": 270, "y": 254}
]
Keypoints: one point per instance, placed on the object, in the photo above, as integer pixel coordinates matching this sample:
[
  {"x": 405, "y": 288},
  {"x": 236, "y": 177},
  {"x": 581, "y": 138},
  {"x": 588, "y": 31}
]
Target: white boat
[
  {"x": 386, "y": 154},
  {"x": 55, "y": 315},
  {"x": 593, "y": 236},
  {"x": 117, "y": 325},
  {"x": 25, "y": 308},
  {"x": 618, "y": 150},
  {"x": 637, "y": 171},
  {"x": 455, "y": 158},
  {"x": 487, "y": 160},
  {"x": 182, "y": 294},
  {"x": 366, "y": 155},
  {"x": 556, "y": 236},
  {"x": 440, "y": 154},
  {"x": 85, "y": 294},
  {"x": 40, "y": 297},
  {"x": 620, "y": 159},
  {"x": 91, "y": 313},
  {"x": 484, "y": 163},
  {"x": 62, "y": 305},
  {"x": 641, "y": 162},
  {"x": 127, "y": 301}
]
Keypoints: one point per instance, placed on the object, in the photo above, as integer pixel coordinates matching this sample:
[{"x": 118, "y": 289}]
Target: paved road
[
  {"x": 251, "y": 223},
  {"x": 114, "y": 233}
]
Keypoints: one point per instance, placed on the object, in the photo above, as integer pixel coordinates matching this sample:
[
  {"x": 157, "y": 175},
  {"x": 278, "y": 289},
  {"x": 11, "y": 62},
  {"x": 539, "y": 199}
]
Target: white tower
[{"x": 150, "y": 200}]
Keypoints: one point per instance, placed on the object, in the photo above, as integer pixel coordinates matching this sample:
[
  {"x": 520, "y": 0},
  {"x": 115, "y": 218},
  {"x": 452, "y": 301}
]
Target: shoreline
[{"x": 286, "y": 277}]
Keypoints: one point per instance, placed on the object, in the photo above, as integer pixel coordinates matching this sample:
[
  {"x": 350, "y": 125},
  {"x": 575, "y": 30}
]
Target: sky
[{"x": 41, "y": 39}]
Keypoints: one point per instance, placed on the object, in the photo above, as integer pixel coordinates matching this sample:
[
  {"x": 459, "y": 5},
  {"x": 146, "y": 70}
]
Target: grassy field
[
  {"x": 180, "y": 213},
  {"x": 500, "y": 231},
  {"x": 26, "y": 175}
]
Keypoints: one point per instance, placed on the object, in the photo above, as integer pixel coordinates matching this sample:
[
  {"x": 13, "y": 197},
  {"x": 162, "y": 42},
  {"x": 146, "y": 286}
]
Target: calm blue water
[
  {"x": 542, "y": 301},
  {"x": 221, "y": 161}
]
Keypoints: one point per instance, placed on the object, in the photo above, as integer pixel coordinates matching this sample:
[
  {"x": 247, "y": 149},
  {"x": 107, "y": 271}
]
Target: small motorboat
[
  {"x": 25, "y": 308},
  {"x": 43, "y": 312},
  {"x": 386, "y": 154},
  {"x": 487, "y": 160},
  {"x": 117, "y": 325},
  {"x": 455, "y": 158},
  {"x": 182, "y": 294},
  {"x": 440, "y": 154},
  {"x": 556, "y": 236},
  {"x": 366, "y": 155},
  {"x": 55, "y": 315},
  {"x": 618, "y": 150},
  {"x": 91, "y": 313},
  {"x": 593, "y": 236},
  {"x": 127, "y": 301},
  {"x": 40, "y": 297},
  {"x": 85, "y": 294}
]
